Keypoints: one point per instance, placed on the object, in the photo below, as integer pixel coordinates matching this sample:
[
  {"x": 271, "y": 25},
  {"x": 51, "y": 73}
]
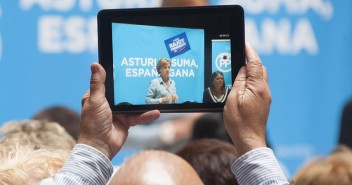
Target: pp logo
[{"x": 223, "y": 62}]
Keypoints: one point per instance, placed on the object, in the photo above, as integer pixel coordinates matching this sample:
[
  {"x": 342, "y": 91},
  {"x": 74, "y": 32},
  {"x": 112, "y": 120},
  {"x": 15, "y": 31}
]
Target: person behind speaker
[{"x": 217, "y": 91}]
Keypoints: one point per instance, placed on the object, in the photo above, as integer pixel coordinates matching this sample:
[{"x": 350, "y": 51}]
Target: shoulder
[{"x": 155, "y": 81}]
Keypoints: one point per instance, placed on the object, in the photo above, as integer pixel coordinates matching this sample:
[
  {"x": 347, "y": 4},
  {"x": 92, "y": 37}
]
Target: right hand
[
  {"x": 247, "y": 107},
  {"x": 174, "y": 98},
  {"x": 100, "y": 128},
  {"x": 167, "y": 98}
]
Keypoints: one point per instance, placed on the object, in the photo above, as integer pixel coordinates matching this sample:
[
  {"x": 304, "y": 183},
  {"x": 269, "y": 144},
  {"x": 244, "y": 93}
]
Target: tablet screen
[{"x": 171, "y": 59}]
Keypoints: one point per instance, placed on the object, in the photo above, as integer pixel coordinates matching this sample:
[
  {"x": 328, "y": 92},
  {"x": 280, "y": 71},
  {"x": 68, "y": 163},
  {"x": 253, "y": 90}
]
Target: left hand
[{"x": 99, "y": 127}]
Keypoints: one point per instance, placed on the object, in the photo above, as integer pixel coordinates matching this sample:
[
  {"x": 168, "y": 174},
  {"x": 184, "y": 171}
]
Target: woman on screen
[
  {"x": 162, "y": 90},
  {"x": 217, "y": 91}
]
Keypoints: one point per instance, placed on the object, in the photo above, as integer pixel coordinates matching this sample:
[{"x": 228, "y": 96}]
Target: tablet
[{"x": 180, "y": 59}]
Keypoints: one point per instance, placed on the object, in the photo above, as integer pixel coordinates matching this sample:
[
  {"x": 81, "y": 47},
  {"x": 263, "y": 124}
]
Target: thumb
[
  {"x": 254, "y": 67},
  {"x": 97, "y": 81}
]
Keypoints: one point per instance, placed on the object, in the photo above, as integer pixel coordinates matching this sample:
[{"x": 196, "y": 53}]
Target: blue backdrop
[
  {"x": 221, "y": 59},
  {"x": 135, "y": 62},
  {"x": 46, "y": 48}
]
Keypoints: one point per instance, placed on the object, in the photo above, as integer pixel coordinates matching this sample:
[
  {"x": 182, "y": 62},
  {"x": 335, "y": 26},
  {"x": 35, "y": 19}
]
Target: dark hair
[
  {"x": 210, "y": 125},
  {"x": 66, "y": 117},
  {"x": 212, "y": 159},
  {"x": 212, "y": 77},
  {"x": 345, "y": 136}
]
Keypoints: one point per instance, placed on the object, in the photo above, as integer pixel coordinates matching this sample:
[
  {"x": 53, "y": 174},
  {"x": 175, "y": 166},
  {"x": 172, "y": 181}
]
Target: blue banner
[{"x": 177, "y": 45}]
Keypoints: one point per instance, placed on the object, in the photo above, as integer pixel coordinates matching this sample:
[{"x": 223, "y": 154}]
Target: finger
[
  {"x": 97, "y": 80},
  {"x": 251, "y": 54},
  {"x": 146, "y": 117},
  {"x": 254, "y": 67}
]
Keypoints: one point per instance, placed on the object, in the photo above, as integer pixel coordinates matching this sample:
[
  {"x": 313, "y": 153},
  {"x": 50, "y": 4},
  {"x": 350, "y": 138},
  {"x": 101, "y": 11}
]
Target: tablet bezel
[{"x": 105, "y": 19}]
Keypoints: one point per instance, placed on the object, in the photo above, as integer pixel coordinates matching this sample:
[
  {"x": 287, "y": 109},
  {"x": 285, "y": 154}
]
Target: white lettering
[
  {"x": 108, "y": 4},
  {"x": 177, "y": 44},
  {"x": 47, "y": 5},
  {"x": 75, "y": 37},
  {"x": 49, "y": 34},
  {"x": 63, "y": 5},
  {"x": 304, "y": 38},
  {"x": 124, "y": 62},
  {"x": 323, "y": 8},
  {"x": 92, "y": 36},
  {"x": 74, "y": 34},
  {"x": 140, "y": 72},
  {"x": 138, "y": 61},
  {"x": 191, "y": 73},
  {"x": 145, "y": 72},
  {"x": 183, "y": 63},
  {"x": 276, "y": 36},
  {"x": 86, "y": 5},
  {"x": 128, "y": 72},
  {"x": 182, "y": 73},
  {"x": 28, "y": 4},
  {"x": 282, "y": 37}
]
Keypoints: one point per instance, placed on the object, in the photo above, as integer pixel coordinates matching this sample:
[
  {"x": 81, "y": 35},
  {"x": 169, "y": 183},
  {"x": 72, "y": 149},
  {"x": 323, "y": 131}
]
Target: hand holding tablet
[{"x": 193, "y": 42}]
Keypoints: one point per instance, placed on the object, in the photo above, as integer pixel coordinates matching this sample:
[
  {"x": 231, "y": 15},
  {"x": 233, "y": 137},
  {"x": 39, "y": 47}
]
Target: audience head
[
  {"x": 210, "y": 125},
  {"x": 152, "y": 167},
  {"x": 42, "y": 133},
  {"x": 28, "y": 158},
  {"x": 178, "y": 3},
  {"x": 211, "y": 159},
  {"x": 336, "y": 169},
  {"x": 66, "y": 117}
]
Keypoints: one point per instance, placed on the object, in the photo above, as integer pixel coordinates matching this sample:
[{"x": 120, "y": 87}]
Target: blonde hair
[
  {"x": 23, "y": 161},
  {"x": 42, "y": 133},
  {"x": 161, "y": 63},
  {"x": 334, "y": 169}
]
